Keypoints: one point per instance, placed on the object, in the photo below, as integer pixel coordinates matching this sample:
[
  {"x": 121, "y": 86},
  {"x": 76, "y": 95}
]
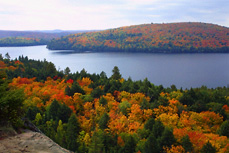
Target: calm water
[{"x": 183, "y": 70}]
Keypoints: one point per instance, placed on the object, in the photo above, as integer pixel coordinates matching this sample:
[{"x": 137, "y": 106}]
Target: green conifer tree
[
  {"x": 186, "y": 143},
  {"x": 116, "y": 74},
  {"x": 97, "y": 145},
  {"x": 158, "y": 129},
  {"x": 167, "y": 138},
  {"x": 53, "y": 111},
  {"x": 151, "y": 145},
  {"x": 73, "y": 129},
  {"x": 103, "y": 121},
  {"x": 208, "y": 148},
  {"x": 224, "y": 129}
]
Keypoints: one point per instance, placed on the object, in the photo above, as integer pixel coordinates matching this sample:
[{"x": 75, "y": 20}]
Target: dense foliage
[
  {"x": 94, "y": 113},
  {"x": 19, "y": 41},
  {"x": 169, "y": 38},
  {"x": 11, "y": 101}
]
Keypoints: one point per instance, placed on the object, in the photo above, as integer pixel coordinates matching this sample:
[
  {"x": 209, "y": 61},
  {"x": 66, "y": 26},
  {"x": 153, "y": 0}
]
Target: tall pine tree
[{"x": 72, "y": 133}]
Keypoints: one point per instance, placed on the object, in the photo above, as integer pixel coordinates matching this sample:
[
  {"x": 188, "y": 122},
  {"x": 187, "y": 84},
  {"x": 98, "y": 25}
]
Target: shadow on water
[{"x": 65, "y": 52}]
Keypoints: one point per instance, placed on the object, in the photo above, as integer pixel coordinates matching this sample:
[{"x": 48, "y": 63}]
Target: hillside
[
  {"x": 32, "y": 38},
  {"x": 20, "y": 41},
  {"x": 171, "y": 38},
  {"x": 85, "y": 112},
  {"x": 31, "y": 34},
  {"x": 45, "y": 34}
]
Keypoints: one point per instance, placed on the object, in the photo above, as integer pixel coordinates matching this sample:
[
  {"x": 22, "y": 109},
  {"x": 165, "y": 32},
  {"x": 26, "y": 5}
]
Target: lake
[{"x": 182, "y": 70}]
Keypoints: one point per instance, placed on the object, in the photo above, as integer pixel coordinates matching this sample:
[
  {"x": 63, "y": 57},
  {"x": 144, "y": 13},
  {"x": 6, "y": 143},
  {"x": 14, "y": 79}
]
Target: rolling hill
[
  {"x": 187, "y": 37},
  {"x": 32, "y": 38},
  {"x": 45, "y": 34}
]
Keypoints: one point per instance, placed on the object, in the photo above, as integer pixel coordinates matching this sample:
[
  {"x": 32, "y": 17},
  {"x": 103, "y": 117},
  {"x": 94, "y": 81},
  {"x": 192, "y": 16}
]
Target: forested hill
[
  {"x": 31, "y": 38},
  {"x": 171, "y": 38},
  {"x": 46, "y": 34},
  {"x": 20, "y": 41}
]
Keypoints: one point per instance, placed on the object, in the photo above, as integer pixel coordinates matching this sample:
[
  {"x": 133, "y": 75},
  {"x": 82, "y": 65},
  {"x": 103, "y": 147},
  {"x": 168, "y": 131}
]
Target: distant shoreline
[
  {"x": 151, "y": 52},
  {"x": 119, "y": 51}
]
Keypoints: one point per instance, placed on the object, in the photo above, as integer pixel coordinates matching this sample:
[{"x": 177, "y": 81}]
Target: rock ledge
[{"x": 30, "y": 141}]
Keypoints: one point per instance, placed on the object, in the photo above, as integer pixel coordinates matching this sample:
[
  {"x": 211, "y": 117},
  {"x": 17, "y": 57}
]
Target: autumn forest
[
  {"x": 95, "y": 113},
  {"x": 188, "y": 37}
]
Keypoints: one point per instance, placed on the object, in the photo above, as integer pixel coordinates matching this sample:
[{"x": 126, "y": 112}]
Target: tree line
[{"x": 21, "y": 41}]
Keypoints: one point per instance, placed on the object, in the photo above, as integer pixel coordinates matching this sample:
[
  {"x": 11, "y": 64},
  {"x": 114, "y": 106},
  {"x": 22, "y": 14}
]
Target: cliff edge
[{"x": 29, "y": 141}]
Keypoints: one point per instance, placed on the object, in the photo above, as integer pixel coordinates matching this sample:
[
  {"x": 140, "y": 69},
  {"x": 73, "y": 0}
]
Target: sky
[{"x": 106, "y": 14}]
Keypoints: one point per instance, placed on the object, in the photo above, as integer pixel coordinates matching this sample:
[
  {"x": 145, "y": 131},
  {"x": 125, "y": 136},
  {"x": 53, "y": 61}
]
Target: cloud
[{"x": 104, "y": 14}]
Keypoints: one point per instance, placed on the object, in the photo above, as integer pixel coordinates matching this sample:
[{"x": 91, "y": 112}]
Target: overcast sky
[{"x": 105, "y": 14}]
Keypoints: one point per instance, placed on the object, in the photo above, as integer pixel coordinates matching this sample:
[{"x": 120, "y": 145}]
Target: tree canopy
[
  {"x": 190, "y": 37},
  {"x": 86, "y": 112}
]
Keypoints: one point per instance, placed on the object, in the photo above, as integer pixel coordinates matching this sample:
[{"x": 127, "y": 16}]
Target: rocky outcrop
[{"x": 30, "y": 142}]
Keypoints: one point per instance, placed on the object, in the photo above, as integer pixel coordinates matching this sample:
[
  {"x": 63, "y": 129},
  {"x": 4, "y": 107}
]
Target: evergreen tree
[
  {"x": 224, "y": 129},
  {"x": 49, "y": 69},
  {"x": 144, "y": 104},
  {"x": 97, "y": 92},
  {"x": 11, "y": 102},
  {"x": 7, "y": 56},
  {"x": 53, "y": 111},
  {"x": 187, "y": 99},
  {"x": 67, "y": 71},
  {"x": 68, "y": 91},
  {"x": 103, "y": 101},
  {"x": 64, "y": 113},
  {"x": 83, "y": 73},
  {"x": 73, "y": 129},
  {"x": 187, "y": 144},
  {"x": 103, "y": 121},
  {"x": 113, "y": 85},
  {"x": 130, "y": 144},
  {"x": 149, "y": 124},
  {"x": 158, "y": 129},
  {"x": 116, "y": 74},
  {"x": 83, "y": 148},
  {"x": 103, "y": 75},
  {"x": 108, "y": 142},
  {"x": 167, "y": 138},
  {"x": 97, "y": 145},
  {"x": 151, "y": 145},
  {"x": 208, "y": 148},
  {"x": 31, "y": 113},
  {"x": 76, "y": 89}
]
